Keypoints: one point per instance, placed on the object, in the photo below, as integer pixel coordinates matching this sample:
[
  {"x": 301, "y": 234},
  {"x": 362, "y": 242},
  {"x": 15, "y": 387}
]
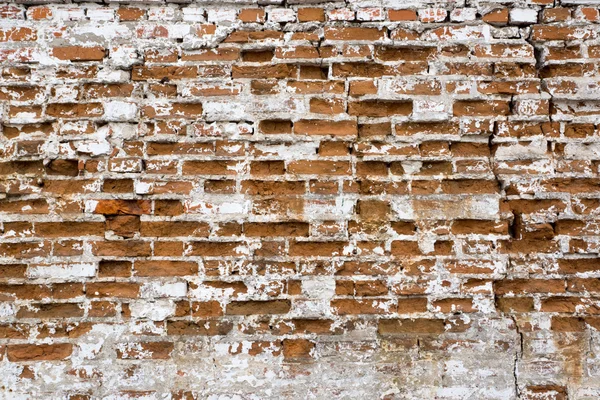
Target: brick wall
[{"x": 363, "y": 199}]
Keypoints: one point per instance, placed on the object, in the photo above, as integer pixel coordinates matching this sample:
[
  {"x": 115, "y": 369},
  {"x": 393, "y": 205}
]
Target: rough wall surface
[{"x": 363, "y": 199}]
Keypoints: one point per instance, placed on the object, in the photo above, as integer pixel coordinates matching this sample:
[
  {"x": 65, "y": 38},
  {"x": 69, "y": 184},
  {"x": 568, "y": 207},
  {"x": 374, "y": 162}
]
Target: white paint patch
[
  {"x": 163, "y": 289},
  {"x": 158, "y": 310},
  {"x": 62, "y": 271},
  {"x": 120, "y": 111}
]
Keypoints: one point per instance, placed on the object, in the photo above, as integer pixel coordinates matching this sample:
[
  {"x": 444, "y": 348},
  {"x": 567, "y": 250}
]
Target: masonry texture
[{"x": 369, "y": 199}]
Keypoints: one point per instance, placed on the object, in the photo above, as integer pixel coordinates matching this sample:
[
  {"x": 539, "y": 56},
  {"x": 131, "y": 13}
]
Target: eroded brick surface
[{"x": 302, "y": 199}]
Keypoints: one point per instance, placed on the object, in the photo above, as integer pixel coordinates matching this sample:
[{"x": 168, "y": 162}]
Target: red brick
[
  {"x": 79, "y": 53},
  {"x": 41, "y": 352}
]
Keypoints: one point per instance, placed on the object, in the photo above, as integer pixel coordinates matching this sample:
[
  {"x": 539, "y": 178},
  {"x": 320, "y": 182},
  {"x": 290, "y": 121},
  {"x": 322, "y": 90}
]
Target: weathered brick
[
  {"x": 258, "y": 307},
  {"x": 410, "y": 326},
  {"x": 79, "y": 53},
  {"x": 41, "y": 352},
  {"x": 410, "y": 188}
]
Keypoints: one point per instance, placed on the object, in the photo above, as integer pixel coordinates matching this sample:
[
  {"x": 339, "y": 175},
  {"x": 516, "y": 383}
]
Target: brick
[
  {"x": 42, "y": 352},
  {"x": 13, "y": 271},
  {"x": 51, "y": 311},
  {"x": 198, "y": 328},
  {"x": 497, "y": 17},
  {"x": 113, "y": 289},
  {"x": 213, "y": 249},
  {"x": 295, "y": 349},
  {"x": 175, "y": 110},
  {"x": 252, "y": 15},
  {"x": 402, "y": 15},
  {"x": 24, "y": 250},
  {"x": 410, "y": 326},
  {"x": 515, "y": 304},
  {"x": 319, "y": 167},
  {"x": 71, "y": 229},
  {"x": 316, "y": 248},
  {"x": 174, "y": 229},
  {"x": 108, "y": 268},
  {"x": 453, "y": 305},
  {"x": 141, "y": 73},
  {"x": 253, "y": 36},
  {"x": 354, "y": 34},
  {"x": 480, "y": 227},
  {"x": 405, "y": 53},
  {"x": 130, "y": 13},
  {"x": 276, "y": 229},
  {"x": 432, "y": 14},
  {"x": 165, "y": 268},
  {"x": 351, "y": 306},
  {"x": 72, "y": 110},
  {"x": 271, "y": 71},
  {"x": 258, "y": 307},
  {"x": 79, "y": 53},
  {"x": 206, "y": 309},
  {"x": 579, "y": 265},
  {"x": 519, "y": 286},
  {"x": 17, "y": 34},
  {"x": 550, "y": 32},
  {"x": 311, "y": 14},
  {"x": 145, "y": 351},
  {"x": 269, "y": 188},
  {"x": 479, "y": 108},
  {"x": 379, "y": 108},
  {"x": 325, "y": 127},
  {"x": 123, "y": 225},
  {"x": 122, "y": 249},
  {"x": 129, "y": 207}
]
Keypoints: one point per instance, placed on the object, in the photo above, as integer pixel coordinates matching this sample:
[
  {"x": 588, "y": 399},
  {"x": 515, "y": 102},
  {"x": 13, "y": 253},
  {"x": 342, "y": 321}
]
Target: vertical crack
[{"x": 518, "y": 356}]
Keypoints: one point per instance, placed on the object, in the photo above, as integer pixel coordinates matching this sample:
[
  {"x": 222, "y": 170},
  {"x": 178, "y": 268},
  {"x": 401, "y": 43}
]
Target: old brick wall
[{"x": 300, "y": 199}]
